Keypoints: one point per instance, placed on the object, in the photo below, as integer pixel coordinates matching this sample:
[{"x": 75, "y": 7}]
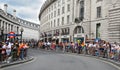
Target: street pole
[
  {"x": 21, "y": 35},
  {"x": 21, "y": 32}
]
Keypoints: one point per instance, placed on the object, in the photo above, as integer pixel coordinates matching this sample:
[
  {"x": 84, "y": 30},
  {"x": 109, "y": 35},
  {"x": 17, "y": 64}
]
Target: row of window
[
  {"x": 27, "y": 23},
  {"x": 50, "y": 16},
  {"x": 56, "y": 23},
  {"x": 56, "y": 4},
  {"x": 55, "y": 13}
]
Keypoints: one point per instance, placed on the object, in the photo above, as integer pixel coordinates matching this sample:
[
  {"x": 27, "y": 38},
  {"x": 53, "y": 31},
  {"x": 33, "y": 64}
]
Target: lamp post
[{"x": 21, "y": 30}]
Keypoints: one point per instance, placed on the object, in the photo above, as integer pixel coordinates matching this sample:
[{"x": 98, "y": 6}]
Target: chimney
[
  {"x": 14, "y": 13},
  {"x": 5, "y": 8}
]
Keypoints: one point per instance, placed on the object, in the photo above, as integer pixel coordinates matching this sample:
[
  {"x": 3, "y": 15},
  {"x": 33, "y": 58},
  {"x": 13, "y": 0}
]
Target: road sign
[{"x": 11, "y": 35}]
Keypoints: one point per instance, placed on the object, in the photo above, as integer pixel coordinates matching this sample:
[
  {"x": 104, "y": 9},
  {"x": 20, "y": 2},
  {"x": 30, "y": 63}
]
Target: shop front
[
  {"x": 79, "y": 37},
  {"x": 65, "y": 38},
  {"x": 56, "y": 39}
]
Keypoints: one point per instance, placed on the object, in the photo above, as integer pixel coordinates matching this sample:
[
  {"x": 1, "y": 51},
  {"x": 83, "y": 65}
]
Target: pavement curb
[{"x": 18, "y": 62}]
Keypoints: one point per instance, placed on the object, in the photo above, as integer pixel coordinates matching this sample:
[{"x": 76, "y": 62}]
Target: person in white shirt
[
  {"x": 7, "y": 46},
  {"x": 90, "y": 47},
  {"x": 48, "y": 45}
]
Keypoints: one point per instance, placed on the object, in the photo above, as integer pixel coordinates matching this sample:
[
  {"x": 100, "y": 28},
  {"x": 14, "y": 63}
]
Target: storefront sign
[
  {"x": 55, "y": 37},
  {"x": 78, "y": 35},
  {"x": 65, "y": 36}
]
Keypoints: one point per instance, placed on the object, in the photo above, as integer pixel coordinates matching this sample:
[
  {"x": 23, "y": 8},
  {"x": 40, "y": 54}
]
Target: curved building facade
[
  {"x": 72, "y": 20},
  {"x": 60, "y": 20},
  {"x": 31, "y": 30},
  {"x": 11, "y": 23}
]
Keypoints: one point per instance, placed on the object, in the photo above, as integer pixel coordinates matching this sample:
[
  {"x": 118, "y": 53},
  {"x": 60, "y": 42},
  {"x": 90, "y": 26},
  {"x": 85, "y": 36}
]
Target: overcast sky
[{"x": 26, "y": 9}]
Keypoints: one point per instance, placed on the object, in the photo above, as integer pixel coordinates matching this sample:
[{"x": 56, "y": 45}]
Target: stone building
[
  {"x": 11, "y": 23},
  {"x": 72, "y": 20}
]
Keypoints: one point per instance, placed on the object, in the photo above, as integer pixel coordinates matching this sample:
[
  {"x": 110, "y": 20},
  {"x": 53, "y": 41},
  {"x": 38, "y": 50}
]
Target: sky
[{"x": 25, "y": 9}]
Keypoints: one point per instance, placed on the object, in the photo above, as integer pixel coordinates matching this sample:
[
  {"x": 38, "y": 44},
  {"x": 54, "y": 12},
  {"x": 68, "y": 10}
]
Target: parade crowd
[
  {"x": 101, "y": 49},
  {"x": 13, "y": 51}
]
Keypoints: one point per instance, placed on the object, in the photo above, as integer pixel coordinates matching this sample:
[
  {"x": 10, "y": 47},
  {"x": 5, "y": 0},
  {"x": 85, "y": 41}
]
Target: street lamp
[{"x": 21, "y": 30}]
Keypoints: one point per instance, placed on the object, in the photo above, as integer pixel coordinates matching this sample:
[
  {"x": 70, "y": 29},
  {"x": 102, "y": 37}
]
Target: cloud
[{"x": 26, "y": 9}]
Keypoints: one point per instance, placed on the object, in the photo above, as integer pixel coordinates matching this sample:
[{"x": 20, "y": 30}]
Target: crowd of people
[
  {"x": 101, "y": 48},
  {"x": 12, "y": 51},
  {"x": 18, "y": 50}
]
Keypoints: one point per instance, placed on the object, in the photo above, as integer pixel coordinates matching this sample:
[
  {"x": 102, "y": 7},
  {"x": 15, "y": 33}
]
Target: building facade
[
  {"x": 11, "y": 23},
  {"x": 31, "y": 30},
  {"x": 71, "y": 20},
  {"x": 114, "y": 21}
]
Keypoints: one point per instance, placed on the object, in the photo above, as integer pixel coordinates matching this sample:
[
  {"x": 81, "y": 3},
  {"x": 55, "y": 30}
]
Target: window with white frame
[
  {"x": 68, "y": 7},
  {"x": 62, "y": 20},
  {"x": 51, "y": 15},
  {"x": 63, "y": 10},
  {"x": 99, "y": 12},
  {"x": 55, "y": 5},
  {"x": 58, "y": 21},
  {"x": 51, "y": 23},
  {"x": 58, "y": 11},
  {"x": 54, "y": 13},
  {"x": 54, "y": 23},
  {"x": 68, "y": 19}
]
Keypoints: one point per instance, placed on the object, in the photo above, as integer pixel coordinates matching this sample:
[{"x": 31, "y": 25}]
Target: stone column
[
  {"x": 10, "y": 28},
  {"x": 17, "y": 30},
  {"x": 1, "y": 24},
  {"x": 4, "y": 26},
  {"x": 7, "y": 28}
]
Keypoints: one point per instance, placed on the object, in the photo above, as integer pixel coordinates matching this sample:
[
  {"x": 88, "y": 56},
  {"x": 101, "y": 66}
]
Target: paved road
[{"x": 58, "y": 61}]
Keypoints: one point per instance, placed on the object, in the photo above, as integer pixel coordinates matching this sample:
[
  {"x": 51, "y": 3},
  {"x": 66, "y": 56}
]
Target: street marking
[{"x": 19, "y": 64}]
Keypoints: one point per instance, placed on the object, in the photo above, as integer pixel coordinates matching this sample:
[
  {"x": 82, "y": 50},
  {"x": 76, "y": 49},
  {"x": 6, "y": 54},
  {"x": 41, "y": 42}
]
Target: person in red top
[{"x": 53, "y": 46}]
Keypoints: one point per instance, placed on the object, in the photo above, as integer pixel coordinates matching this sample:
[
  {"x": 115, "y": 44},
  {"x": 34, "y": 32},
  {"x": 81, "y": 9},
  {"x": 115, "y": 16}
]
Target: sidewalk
[{"x": 2, "y": 65}]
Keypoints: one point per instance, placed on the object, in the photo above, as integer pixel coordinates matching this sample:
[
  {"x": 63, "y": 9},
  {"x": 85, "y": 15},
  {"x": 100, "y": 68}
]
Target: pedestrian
[
  {"x": 90, "y": 47},
  {"x": 48, "y": 45},
  {"x": 25, "y": 49},
  {"x": 3, "y": 53},
  {"x": 63, "y": 47},
  {"x": 21, "y": 50}
]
